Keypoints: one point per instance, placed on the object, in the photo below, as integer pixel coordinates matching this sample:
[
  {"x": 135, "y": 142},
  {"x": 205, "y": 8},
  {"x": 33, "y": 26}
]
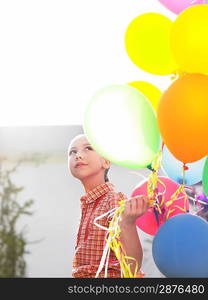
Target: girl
[{"x": 100, "y": 196}]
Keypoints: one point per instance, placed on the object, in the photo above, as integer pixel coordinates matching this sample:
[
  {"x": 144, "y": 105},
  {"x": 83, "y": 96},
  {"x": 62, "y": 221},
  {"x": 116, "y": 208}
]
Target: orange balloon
[{"x": 183, "y": 117}]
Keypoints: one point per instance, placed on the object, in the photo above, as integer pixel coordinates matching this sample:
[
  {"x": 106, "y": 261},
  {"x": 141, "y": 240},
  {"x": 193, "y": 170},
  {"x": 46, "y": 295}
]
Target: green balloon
[
  {"x": 205, "y": 177},
  {"x": 150, "y": 167},
  {"x": 121, "y": 125}
]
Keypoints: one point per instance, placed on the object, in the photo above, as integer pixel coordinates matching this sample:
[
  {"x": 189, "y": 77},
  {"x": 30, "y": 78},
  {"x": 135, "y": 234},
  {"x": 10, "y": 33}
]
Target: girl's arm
[{"x": 134, "y": 209}]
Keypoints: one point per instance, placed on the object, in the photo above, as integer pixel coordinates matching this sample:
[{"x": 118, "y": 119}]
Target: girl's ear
[{"x": 106, "y": 163}]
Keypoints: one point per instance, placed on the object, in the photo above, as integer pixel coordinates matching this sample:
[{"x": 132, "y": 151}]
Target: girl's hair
[{"x": 106, "y": 175}]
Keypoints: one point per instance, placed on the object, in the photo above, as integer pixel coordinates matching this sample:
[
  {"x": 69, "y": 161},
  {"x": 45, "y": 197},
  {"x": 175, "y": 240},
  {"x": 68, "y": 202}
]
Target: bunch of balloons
[
  {"x": 125, "y": 123},
  {"x": 159, "y": 46},
  {"x": 130, "y": 123}
]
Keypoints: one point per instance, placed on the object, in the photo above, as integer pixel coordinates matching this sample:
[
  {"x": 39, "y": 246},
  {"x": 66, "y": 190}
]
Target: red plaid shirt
[{"x": 91, "y": 238}]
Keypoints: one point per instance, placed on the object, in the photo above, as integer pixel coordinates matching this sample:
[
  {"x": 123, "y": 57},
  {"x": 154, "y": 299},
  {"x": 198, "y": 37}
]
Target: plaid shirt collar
[{"x": 97, "y": 192}]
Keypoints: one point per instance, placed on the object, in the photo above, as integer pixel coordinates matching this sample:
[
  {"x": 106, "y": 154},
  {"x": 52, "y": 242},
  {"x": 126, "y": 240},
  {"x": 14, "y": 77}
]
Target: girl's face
[{"x": 83, "y": 160}]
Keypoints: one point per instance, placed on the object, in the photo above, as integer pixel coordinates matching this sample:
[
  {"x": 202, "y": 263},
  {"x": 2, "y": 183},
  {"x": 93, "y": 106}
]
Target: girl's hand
[{"x": 135, "y": 207}]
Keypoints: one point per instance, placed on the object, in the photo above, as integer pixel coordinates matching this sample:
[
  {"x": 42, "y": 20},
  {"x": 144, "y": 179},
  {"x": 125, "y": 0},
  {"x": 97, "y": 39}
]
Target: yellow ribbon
[
  {"x": 116, "y": 245},
  {"x": 113, "y": 242}
]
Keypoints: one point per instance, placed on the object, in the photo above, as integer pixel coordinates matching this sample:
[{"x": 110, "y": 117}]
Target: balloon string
[
  {"x": 153, "y": 178},
  {"x": 184, "y": 168},
  {"x": 198, "y": 201},
  {"x": 177, "y": 74},
  {"x": 157, "y": 199},
  {"x": 176, "y": 197},
  {"x": 113, "y": 242}
]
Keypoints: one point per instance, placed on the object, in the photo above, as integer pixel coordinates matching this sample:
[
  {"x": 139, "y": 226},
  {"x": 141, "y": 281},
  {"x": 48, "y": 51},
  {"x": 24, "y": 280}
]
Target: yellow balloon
[
  {"x": 147, "y": 42},
  {"x": 151, "y": 92},
  {"x": 189, "y": 40}
]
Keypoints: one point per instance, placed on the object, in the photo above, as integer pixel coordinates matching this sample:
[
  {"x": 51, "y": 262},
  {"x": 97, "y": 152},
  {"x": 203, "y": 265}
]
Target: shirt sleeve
[{"x": 115, "y": 198}]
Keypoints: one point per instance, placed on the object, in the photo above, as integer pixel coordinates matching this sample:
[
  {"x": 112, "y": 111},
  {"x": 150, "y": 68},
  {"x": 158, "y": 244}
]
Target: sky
[{"x": 55, "y": 55}]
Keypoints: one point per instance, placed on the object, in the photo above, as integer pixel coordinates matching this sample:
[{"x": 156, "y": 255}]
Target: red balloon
[{"x": 149, "y": 223}]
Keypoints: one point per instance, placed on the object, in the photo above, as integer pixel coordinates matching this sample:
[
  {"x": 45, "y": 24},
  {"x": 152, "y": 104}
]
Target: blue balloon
[
  {"x": 180, "y": 247},
  {"x": 173, "y": 168}
]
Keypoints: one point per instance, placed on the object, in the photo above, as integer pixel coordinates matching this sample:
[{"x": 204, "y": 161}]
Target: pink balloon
[
  {"x": 148, "y": 222},
  {"x": 178, "y": 6}
]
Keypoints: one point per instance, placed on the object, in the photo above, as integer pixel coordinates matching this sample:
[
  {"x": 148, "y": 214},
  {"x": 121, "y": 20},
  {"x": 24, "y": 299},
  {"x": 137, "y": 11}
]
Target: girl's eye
[
  {"x": 75, "y": 151},
  {"x": 72, "y": 151}
]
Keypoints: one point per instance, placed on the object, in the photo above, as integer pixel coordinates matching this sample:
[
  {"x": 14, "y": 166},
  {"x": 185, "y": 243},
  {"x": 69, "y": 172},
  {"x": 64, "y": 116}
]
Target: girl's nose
[{"x": 78, "y": 154}]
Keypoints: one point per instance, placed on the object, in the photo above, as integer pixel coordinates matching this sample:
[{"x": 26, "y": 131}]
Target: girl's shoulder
[{"x": 113, "y": 198}]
